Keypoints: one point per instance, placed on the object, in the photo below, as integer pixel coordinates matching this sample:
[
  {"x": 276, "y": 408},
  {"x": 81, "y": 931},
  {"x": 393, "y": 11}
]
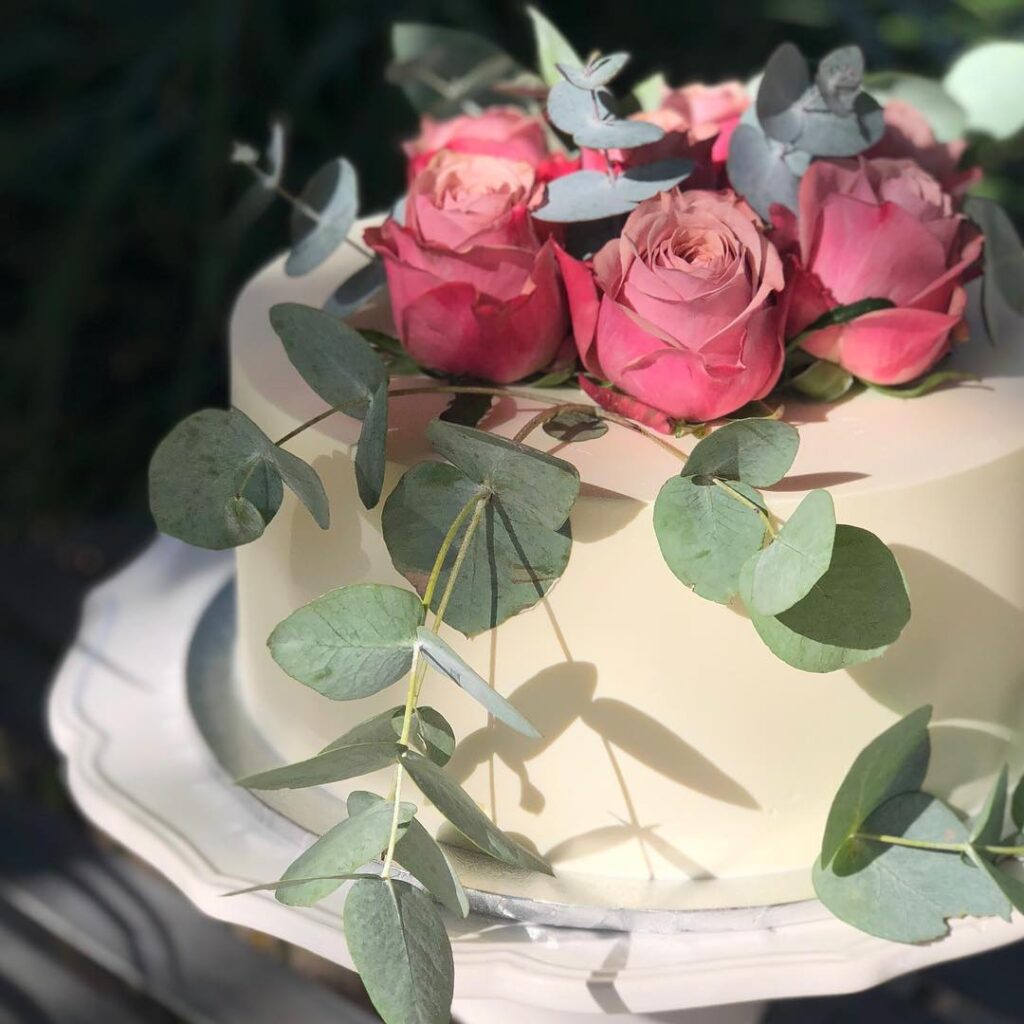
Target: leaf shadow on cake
[{"x": 979, "y": 717}]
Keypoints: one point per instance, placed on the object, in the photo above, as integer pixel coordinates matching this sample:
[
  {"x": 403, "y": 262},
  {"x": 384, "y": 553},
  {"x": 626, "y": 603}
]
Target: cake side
[{"x": 662, "y": 756}]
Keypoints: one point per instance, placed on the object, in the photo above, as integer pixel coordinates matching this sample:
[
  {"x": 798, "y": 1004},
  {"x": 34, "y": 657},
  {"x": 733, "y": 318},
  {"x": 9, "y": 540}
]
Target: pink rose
[
  {"x": 698, "y": 121},
  {"x": 908, "y": 135},
  {"x": 878, "y": 229},
  {"x": 679, "y": 313},
  {"x": 499, "y": 131},
  {"x": 474, "y": 291}
]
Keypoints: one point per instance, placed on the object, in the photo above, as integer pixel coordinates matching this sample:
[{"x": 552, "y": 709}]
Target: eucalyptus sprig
[{"x": 899, "y": 863}]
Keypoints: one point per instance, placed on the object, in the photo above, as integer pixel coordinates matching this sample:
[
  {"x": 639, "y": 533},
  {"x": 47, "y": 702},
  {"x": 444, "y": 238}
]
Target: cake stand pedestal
[{"x": 138, "y": 765}]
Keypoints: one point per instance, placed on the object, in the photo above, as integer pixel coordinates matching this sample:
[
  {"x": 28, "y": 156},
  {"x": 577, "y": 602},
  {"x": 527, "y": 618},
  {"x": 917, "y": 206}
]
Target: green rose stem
[
  {"x": 304, "y": 208},
  {"x": 417, "y": 670},
  {"x": 924, "y": 844}
]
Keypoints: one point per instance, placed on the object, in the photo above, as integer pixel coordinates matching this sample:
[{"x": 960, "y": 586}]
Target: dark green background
[{"x": 120, "y": 254}]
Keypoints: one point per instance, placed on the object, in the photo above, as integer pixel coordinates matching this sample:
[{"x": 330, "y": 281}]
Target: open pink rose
[
  {"x": 474, "y": 291},
  {"x": 679, "y": 313},
  {"x": 908, "y": 135},
  {"x": 698, "y": 121},
  {"x": 878, "y": 229},
  {"x": 499, "y": 131}
]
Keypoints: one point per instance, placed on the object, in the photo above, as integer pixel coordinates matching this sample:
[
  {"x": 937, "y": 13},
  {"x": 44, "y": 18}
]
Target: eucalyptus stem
[
  {"x": 925, "y": 844},
  {"x": 744, "y": 500},
  {"x": 442, "y": 554}
]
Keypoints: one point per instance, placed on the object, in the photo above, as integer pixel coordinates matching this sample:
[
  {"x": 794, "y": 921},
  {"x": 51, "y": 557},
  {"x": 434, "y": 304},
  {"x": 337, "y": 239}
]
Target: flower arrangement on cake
[{"x": 679, "y": 265}]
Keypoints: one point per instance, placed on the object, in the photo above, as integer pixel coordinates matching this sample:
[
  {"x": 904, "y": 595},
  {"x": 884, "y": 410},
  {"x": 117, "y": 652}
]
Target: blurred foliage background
[{"x": 123, "y": 250}]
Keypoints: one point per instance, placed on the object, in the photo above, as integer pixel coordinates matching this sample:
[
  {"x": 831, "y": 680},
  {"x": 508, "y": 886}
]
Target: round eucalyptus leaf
[
  {"x": 797, "y": 558},
  {"x": 597, "y": 74},
  {"x": 761, "y": 170},
  {"x": 332, "y": 193},
  {"x": 828, "y": 134},
  {"x": 901, "y": 894},
  {"x": 355, "y": 291},
  {"x": 350, "y": 844},
  {"x": 646, "y": 180},
  {"x": 617, "y": 134},
  {"x": 401, "y": 950},
  {"x": 332, "y": 765},
  {"x": 706, "y": 534},
  {"x": 434, "y": 733},
  {"x": 988, "y": 82},
  {"x": 896, "y": 761},
  {"x": 418, "y": 852},
  {"x": 948, "y": 120},
  {"x": 586, "y": 116},
  {"x": 461, "y": 810},
  {"x": 509, "y": 566},
  {"x": 783, "y": 85},
  {"x": 757, "y": 451},
  {"x": 576, "y": 425},
  {"x": 839, "y": 78},
  {"x": 351, "y": 642},
  {"x": 552, "y": 47}
]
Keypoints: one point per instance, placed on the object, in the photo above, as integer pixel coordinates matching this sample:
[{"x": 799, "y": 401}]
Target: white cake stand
[{"x": 139, "y": 767}]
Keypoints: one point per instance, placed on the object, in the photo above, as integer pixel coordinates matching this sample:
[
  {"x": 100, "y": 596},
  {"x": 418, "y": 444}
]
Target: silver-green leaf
[
  {"x": 758, "y": 452},
  {"x": 332, "y": 765},
  {"x": 987, "y": 828},
  {"x": 552, "y": 47},
  {"x": 332, "y": 194}
]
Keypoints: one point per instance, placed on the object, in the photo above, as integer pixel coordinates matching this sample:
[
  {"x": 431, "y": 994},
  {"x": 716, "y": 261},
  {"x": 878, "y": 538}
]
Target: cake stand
[{"x": 140, "y": 764}]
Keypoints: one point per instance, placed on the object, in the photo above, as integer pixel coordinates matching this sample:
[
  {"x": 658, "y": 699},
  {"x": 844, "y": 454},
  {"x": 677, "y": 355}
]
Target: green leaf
[
  {"x": 650, "y": 92},
  {"x": 901, "y": 894},
  {"x": 852, "y": 614},
  {"x": 434, "y": 734},
  {"x": 371, "y": 452},
  {"x": 987, "y": 82},
  {"x": 332, "y": 358},
  {"x": 333, "y": 194},
  {"x": 401, "y": 951},
  {"x": 575, "y": 425},
  {"x": 758, "y": 452},
  {"x": 530, "y": 484},
  {"x": 509, "y": 565},
  {"x": 351, "y": 642},
  {"x": 1017, "y": 805},
  {"x": 469, "y": 65},
  {"x": 215, "y": 480},
  {"x": 459, "y": 808},
  {"x": 554, "y": 379},
  {"x": 924, "y": 385},
  {"x": 797, "y": 558},
  {"x": 947, "y": 118},
  {"x": 1003, "y": 258},
  {"x": 357, "y": 289},
  {"x": 843, "y": 315},
  {"x": 384, "y": 727},
  {"x": 593, "y": 195},
  {"x": 892, "y": 763},
  {"x": 822, "y": 381},
  {"x": 706, "y": 534},
  {"x": 423, "y": 858},
  {"x": 1010, "y": 885},
  {"x": 389, "y": 351},
  {"x": 350, "y": 844},
  {"x": 987, "y": 828},
  {"x": 332, "y": 765},
  {"x": 552, "y": 47},
  {"x": 298, "y": 883},
  {"x": 447, "y": 661},
  {"x": 763, "y": 170}
]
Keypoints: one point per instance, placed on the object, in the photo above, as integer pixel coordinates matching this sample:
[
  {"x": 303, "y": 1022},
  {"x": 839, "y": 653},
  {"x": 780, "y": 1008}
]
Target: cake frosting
[{"x": 674, "y": 744}]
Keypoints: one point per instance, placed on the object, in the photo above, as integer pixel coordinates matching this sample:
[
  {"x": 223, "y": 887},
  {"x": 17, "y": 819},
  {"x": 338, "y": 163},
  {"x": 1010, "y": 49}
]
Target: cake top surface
[{"x": 866, "y": 442}]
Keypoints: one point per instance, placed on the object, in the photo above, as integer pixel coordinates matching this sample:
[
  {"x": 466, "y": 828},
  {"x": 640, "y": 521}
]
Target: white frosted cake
[{"x": 675, "y": 745}]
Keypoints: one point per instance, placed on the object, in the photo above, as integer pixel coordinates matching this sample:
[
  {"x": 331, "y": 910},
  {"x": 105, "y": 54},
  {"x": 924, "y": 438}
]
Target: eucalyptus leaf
[
  {"x": 797, "y": 558},
  {"x": 384, "y": 727},
  {"x": 1017, "y": 805},
  {"x": 784, "y": 83},
  {"x": 822, "y": 381},
  {"x": 839, "y": 78},
  {"x": 351, "y": 642},
  {"x": 215, "y": 480},
  {"x": 894, "y": 762},
  {"x": 1003, "y": 255},
  {"x": 706, "y": 534},
  {"x": 854, "y": 611},
  {"x": 332, "y": 765},
  {"x": 401, "y": 950},
  {"x": 552, "y": 47},
  {"x": 333, "y": 195},
  {"x": 1011, "y": 886},
  {"x": 356, "y": 290},
  {"x": 350, "y": 844},
  {"x": 388, "y": 349},
  {"x": 825, "y": 133},
  {"x": 650, "y": 92},
  {"x": 987, "y": 828},
  {"x": 901, "y": 894},
  {"x": 587, "y": 117},
  {"x": 755, "y": 451},
  {"x": 761, "y": 170},
  {"x": 459, "y": 808},
  {"x": 596, "y": 74},
  {"x": 593, "y": 195},
  {"x": 988, "y": 82},
  {"x": 927, "y": 384},
  {"x": 434, "y": 734},
  {"x": 371, "y": 452},
  {"x": 420, "y": 855},
  {"x": 447, "y": 661},
  {"x": 575, "y": 425},
  {"x": 947, "y": 118}
]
